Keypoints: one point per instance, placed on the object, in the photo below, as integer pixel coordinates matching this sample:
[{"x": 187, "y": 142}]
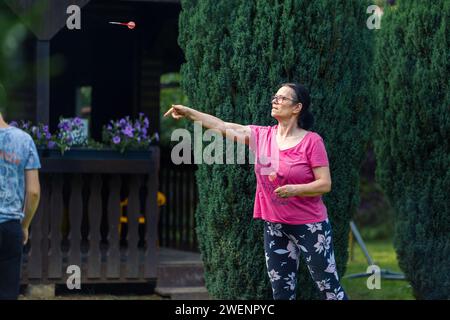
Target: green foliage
[
  {"x": 169, "y": 96},
  {"x": 13, "y": 33},
  {"x": 4, "y": 31},
  {"x": 237, "y": 53},
  {"x": 374, "y": 216},
  {"x": 412, "y": 63},
  {"x": 15, "y": 70},
  {"x": 3, "y": 98}
]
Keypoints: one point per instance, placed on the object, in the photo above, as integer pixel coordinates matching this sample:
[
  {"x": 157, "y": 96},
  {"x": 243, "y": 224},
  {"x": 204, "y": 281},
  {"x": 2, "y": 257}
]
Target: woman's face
[{"x": 284, "y": 104}]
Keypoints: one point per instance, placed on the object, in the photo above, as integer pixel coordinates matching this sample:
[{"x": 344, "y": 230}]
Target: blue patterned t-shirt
[{"x": 17, "y": 154}]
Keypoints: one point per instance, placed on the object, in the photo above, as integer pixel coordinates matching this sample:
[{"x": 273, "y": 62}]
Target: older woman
[{"x": 292, "y": 173}]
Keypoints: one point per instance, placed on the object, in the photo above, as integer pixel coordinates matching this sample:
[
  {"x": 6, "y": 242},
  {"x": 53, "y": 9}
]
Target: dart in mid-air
[{"x": 131, "y": 25}]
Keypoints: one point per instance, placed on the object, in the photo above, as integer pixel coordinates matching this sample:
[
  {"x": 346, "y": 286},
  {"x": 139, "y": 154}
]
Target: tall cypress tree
[
  {"x": 412, "y": 64},
  {"x": 237, "y": 53},
  {"x": 5, "y": 27}
]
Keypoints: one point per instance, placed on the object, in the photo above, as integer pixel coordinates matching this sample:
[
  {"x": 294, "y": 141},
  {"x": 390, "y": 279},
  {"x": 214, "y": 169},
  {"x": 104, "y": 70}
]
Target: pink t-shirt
[{"x": 275, "y": 168}]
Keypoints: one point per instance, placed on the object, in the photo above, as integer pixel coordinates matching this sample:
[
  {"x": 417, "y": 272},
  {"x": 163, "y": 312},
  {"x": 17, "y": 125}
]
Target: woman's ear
[{"x": 298, "y": 107}]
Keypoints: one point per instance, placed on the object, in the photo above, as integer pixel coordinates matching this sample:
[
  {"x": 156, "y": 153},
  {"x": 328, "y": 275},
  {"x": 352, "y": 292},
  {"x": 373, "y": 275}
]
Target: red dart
[{"x": 131, "y": 25}]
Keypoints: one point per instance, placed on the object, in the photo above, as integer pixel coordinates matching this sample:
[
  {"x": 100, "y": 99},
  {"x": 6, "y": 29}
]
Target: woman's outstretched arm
[{"x": 232, "y": 131}]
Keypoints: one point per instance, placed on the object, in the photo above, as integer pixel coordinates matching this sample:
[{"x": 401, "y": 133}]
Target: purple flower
[
  {"x": 128, "y": 131},
  {"x": 51, "y": 144},
  {"x": 48, "y": 136},
  {"x": 65, "y": 126},
  {"x": 123, "y": 122},
  {"x": 157, "y": 136},
  {"x": 13, "y": 124},
  {"x": 77, "y": 121}
]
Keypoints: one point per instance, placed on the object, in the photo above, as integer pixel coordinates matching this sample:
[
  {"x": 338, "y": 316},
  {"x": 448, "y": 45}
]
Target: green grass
[{"x": 384, "y": 256}]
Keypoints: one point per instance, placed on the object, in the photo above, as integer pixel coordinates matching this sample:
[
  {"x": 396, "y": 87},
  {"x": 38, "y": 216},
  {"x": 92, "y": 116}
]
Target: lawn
[{"x": 382, "y": 252}]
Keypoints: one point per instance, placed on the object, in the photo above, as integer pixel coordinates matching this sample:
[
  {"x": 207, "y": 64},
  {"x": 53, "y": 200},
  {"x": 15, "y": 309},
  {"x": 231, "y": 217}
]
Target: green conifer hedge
[
  {"x": 412, "y": 67},
  {"x": 237, "y": 53}
]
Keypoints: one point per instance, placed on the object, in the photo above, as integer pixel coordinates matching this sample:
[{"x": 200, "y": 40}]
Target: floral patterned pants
[{"x": 284, "y": 243}]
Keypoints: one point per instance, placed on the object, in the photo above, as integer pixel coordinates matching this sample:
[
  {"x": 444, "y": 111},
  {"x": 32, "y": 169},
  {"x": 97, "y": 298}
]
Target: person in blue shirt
[{"x": 19, "y": 199}]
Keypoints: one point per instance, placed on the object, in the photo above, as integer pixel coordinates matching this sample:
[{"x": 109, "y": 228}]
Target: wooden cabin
[{"x": 77, "y": 222}]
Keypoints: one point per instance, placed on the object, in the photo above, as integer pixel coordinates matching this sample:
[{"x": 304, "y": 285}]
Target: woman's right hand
[{"x": 177, "y": 111}]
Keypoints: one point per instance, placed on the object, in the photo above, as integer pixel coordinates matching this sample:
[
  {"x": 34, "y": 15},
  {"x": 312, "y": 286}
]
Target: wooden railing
[
  {"x": 78, "y": 221},
  {"x": 177, "y": 219}
]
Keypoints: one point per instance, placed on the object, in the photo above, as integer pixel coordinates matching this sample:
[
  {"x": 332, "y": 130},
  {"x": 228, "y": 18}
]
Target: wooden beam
[{"x": 43, "y": 81}]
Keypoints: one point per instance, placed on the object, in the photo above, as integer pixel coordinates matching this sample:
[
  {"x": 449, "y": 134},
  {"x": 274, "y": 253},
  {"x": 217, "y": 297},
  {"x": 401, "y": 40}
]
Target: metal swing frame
[{"x": 384, "y": 273}]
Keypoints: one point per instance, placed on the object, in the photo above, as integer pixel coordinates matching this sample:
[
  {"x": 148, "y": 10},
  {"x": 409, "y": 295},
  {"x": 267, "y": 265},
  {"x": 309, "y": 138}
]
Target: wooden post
[
  {"x": 75, "y": 220},
  {"x": 43, "y": 81},
  {"x": 133, "y": 228},
  {"x": 56, "y": 212},
  {"x": 95, "y": 219},
  {"x": 113, "y": 254},
  {"x": 151, "y": 218}
]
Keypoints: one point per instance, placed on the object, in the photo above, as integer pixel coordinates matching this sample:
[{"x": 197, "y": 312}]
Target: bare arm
[
  {"x": 321, "y": 185},
  {"x": 32, "y": 197},
  {"x": 232, "y": 131}
]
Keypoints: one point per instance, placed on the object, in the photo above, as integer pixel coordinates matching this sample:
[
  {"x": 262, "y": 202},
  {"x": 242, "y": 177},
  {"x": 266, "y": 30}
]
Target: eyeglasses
[{"x": 281, "y": 99}]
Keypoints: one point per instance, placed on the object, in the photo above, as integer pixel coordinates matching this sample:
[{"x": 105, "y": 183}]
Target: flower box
[
  {"x": 125, "y": 139},
  {"x": 96, "y": 154}
]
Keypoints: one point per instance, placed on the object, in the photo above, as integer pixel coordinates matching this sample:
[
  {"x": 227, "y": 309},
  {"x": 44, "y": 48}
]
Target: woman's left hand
[{"x": 286, "y": 191}]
